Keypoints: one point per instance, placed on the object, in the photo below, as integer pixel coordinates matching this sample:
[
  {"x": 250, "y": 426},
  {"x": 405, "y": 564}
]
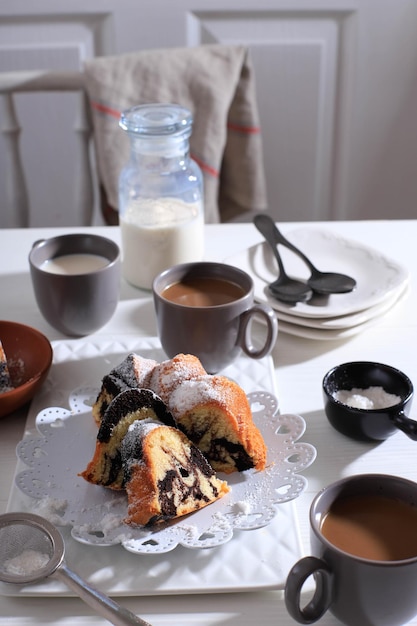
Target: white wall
[{"x": 336, "y": 84}]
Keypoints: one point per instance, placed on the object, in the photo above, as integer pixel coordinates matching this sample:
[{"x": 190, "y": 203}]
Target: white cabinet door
[{"x": 336, "y": 84}]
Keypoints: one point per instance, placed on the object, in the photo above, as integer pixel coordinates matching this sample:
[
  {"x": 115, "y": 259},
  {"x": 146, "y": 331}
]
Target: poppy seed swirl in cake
[
  {"x": 164, "y": 443},
  {"x": 105, "y": 468},
  {"x": 214, "y": 412},
  {"x": 132, "y": 373},
  {"x": 166, "y": 476}
]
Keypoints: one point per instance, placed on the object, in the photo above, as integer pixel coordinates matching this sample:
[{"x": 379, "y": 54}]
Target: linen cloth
[{"x": 216, "y": 82}]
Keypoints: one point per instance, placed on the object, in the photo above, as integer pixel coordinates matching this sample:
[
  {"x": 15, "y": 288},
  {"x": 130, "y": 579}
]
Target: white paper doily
[{"x": 66, "y": 443}]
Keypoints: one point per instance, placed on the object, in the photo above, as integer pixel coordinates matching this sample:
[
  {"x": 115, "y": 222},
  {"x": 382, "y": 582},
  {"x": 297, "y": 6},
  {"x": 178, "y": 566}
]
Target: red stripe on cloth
[
  {"x": 205, "y": 167},
  {"x": 253, "y": 130},
  {"x": 102, "y": 108}
]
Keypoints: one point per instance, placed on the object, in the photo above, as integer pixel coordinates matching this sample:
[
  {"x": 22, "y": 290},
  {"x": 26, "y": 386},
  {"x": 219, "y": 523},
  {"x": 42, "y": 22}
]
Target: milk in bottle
[{"x": 161, "y": 209}]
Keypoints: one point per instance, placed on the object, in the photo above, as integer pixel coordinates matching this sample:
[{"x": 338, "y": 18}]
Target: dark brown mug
[
  {"x": 366, "y": 575},
  {"x": 83, "y": 297},
  {"x": 214, "y": 331}
]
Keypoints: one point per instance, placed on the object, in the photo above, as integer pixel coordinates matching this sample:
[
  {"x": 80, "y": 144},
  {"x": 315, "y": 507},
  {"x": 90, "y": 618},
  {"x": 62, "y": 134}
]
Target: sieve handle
[{"x": 105, "y": 606}]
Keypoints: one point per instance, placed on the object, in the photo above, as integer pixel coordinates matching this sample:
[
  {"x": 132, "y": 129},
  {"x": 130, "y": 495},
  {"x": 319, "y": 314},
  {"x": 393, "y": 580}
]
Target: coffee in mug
[
  {"x": 203, "y": 292},
  {"x": 206, "y": 309},
  {"x": 364, "y": 553},
  {"x": 373, "y": 527}
]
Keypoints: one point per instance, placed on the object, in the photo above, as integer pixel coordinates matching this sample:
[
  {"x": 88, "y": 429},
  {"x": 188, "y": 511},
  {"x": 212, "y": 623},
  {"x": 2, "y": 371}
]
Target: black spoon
[
  {"x": 321, "y": 282},
  {"x": 284, "y": 288}
]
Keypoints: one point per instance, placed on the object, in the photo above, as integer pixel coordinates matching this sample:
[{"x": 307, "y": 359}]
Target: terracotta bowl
[{"x": 29, "y": 357}]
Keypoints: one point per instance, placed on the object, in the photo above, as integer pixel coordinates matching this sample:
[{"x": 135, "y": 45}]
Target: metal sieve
[{"x": 31, "y": 549}]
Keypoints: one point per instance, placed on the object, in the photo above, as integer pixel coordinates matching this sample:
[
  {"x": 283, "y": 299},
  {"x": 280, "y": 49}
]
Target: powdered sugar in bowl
[{"x": 369, "y": 401}]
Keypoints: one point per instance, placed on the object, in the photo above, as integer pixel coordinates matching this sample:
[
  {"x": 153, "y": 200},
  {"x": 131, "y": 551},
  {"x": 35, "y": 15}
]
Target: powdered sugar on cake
[
  {"x": 170, "y": 373},
  {"x": 212, "y": 425},
  {"x": 189, "y": 393},
  {"x": 142, "y": 369}
]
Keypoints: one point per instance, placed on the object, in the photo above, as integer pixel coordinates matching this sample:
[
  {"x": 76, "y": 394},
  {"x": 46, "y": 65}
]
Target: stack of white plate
[{"x": 381, "y": 283}]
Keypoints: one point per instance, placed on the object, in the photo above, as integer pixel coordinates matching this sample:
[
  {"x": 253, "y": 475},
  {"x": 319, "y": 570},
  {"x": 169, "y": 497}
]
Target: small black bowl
[{"x": 369, "y": 424}]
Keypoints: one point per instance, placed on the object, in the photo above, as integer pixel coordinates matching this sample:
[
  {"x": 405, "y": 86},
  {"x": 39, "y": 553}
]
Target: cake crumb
[
  {"x": 52, "y": 509},
  {"x": 243, "y": 506},
  {"x": 5, "y": 378}
]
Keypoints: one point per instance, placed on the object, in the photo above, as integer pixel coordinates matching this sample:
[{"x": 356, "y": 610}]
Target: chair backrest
[
  {"x": 17, "y": 201},
  {"x": 226, "y": 140}
]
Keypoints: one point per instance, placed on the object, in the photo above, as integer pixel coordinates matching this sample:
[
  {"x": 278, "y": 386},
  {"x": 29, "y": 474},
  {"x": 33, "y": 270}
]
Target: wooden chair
[
  {"x": 88, "y": 192},
  {"x": 17, "y": 201}
]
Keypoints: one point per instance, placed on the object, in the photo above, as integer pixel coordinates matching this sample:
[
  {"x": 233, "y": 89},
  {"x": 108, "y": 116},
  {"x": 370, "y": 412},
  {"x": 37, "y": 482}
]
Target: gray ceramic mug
[
  {"x": 217, "y": 334},
  {"x": 358, "y": 589},
  {"x": 84, "y": 295}
]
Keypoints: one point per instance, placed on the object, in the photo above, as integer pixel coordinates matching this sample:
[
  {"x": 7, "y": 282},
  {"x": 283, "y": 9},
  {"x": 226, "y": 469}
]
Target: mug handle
[
  {"x": 269, "y": 316},
  {"x": 322, "y": 598},
  {"x": 407, "y": 425}
]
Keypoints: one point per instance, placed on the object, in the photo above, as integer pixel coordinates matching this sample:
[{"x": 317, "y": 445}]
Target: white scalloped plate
[
  {"x": 378, "y": 277},
  {"x": 96, "y": 514},
  {"x": 267, "y": 552}
]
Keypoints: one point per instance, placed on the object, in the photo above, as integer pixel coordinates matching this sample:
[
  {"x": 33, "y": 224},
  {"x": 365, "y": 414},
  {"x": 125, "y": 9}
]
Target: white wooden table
[{"x": 299, "y": 368}]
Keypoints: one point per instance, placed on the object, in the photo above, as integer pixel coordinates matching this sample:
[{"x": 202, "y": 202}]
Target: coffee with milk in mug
[
  {"x": 363, "y": 553},
  {"x": 203, "y": 291},
  {"x": 372, "y": 527},
  {"x": 206, "y": 309}
]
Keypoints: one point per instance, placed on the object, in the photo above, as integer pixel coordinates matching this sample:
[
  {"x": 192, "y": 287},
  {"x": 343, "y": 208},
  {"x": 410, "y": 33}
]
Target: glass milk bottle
[{"x": 160, "y": 193}]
